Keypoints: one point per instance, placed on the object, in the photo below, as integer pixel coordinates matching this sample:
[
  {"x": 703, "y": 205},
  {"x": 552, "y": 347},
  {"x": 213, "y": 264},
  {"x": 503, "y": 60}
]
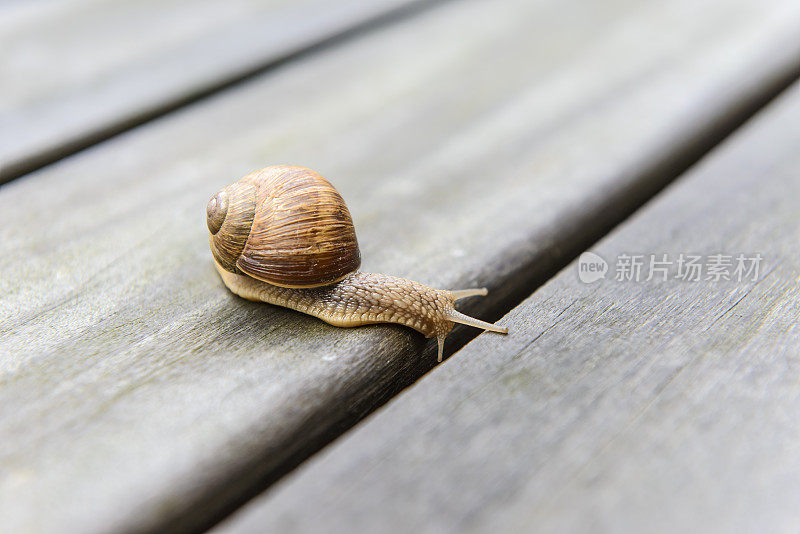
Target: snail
[{"x": 284, "y": 235}]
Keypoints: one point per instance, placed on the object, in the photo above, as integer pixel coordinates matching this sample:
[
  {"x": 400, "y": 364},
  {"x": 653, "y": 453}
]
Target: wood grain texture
[
  {"x": 77, "y": 71},
  {"x": 138, "y": 394},
  {"x": 660, "y": 406}
]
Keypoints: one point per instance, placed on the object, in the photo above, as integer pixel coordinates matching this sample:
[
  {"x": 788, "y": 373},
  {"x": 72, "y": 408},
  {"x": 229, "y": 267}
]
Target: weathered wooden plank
[
  {"x": 617, "y": 406},
  {"x": 131, "y": 381},
  {"x": 75, "y": 72}
]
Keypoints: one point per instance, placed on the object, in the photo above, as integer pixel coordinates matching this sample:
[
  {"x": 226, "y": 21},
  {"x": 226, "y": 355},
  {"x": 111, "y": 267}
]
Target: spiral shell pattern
[{"x": 284, "y": 225}]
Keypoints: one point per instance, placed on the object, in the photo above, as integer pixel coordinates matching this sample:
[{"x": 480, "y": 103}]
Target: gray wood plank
[
  {"x": 132, "y": 382},
  {"x": 618, "y": 406},
  {"x": 77, "y": 71}
]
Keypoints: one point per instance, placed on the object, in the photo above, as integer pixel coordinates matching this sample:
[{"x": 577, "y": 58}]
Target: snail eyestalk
[
  {"x": 458, "y": 317},
  {"x": 459, "y": 294}
]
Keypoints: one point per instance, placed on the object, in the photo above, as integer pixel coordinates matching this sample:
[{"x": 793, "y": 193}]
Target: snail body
[{"x": 283, "y": 235}]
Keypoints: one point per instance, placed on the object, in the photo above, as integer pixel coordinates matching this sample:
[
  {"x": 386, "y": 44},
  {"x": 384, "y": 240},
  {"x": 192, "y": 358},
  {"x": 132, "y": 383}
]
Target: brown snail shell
[
  {"x": 284, "y": 235},
  {"x": 285, "y": 225}
]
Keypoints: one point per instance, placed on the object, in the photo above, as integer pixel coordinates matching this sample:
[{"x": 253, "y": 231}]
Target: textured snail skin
[
  {"x": 367, "y": 298},
  {"x": 283, "y": 235},
  {"x": 358, "y": 299}
]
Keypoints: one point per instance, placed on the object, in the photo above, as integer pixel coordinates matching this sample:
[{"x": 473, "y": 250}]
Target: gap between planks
[{"x": 17, "y": 168}]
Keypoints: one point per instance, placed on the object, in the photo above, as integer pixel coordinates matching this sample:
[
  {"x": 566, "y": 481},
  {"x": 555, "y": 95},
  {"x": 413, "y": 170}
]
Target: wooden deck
[
  {"x": 477, "y": 144},
  {"x": 615, "y": 406}
]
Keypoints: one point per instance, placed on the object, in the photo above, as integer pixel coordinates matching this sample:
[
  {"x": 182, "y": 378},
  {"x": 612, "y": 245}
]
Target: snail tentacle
[
  {"x": 458, "y": 317},
  {"x": 440, "y": 341},
  {"x": 459, "y": 294}
]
